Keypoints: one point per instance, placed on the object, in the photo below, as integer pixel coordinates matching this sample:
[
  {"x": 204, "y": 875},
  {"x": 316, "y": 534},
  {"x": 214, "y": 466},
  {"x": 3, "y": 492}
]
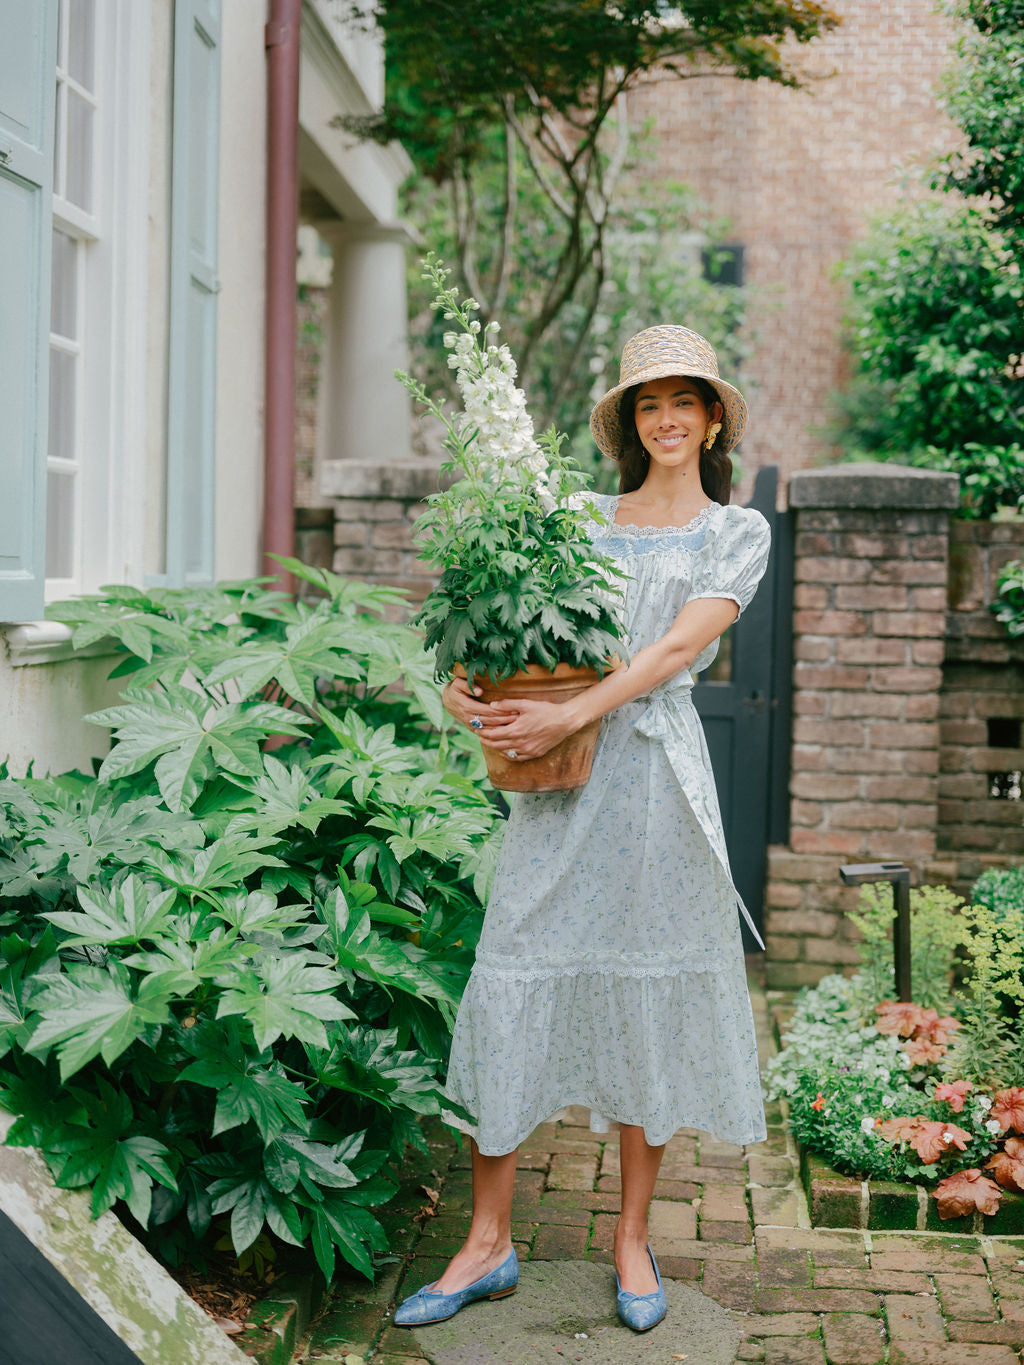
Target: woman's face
[{"x": 672, "y": 420}]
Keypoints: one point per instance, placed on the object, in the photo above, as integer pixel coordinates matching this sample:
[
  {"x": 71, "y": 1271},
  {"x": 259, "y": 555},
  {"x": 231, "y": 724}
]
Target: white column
[{"x": 367, "y": 412}]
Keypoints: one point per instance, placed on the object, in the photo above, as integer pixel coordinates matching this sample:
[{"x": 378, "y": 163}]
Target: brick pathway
[{"x": 729, "y": 1222}]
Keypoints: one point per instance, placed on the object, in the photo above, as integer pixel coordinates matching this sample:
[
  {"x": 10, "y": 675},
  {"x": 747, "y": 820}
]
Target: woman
[{"x": 610, "y": 970}]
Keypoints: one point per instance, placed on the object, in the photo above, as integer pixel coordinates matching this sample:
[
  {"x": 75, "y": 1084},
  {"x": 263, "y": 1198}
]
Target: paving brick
[
  {"x": 750, "y": 1350},
  {"x": 543, "y": 1212},
  {"x": 777, "y": 1324},
  {"x": 602, "y": 1235},
  {"x": 581, "y": 1199},
  {"x": 715, "y": 1153},
  {"x": 913, "y": 1317},
  {"x": 726, "y": 1232},
  {"x": 559, "y": 1244},
  {"x": 882, "y": 1281},
  {"x": 724, "y": 1204},
  {"x": 966, "y": 1296},
  {"x": 817, "y": 1301},
  {"x": 769, "y": 1170},
  {"x": 793, "y": 1351},
  {"x": 950, "y": 1353},
  {"x": 728, "y": 1283},
  {"x": 778, "y": 1269},
  {"x": 777, "y": 1207},
  {"x": 671, "y": 1224},
  {"x": 829, "y": 1247},
  {"x": 680, "y": 1268},
  {"x": 572, "y": 1172},
  {"x": 676, "y": 1189},
  {"x": 1004, "y": 1333},
  {"x": 853, "y": 1339},
  {"x": 891, "y": 1251}
]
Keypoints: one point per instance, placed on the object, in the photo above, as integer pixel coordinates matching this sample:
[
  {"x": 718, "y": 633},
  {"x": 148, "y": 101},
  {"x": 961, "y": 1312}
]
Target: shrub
[{"x": 230, "y": 960}]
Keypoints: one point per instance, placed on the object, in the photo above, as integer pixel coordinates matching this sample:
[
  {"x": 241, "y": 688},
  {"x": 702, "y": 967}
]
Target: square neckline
[{"x": 631, "y": 526}]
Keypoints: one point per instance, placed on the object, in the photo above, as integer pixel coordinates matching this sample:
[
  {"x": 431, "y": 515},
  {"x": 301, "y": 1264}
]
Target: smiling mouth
[{"x": 669, "y": 440}]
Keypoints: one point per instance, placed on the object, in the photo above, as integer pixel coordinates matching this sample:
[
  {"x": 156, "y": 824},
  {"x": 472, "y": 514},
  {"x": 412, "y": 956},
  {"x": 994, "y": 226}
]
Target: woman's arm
[{"x": 534, "y": 727}]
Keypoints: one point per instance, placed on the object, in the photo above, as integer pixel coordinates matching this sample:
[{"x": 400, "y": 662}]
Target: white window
[{"x": 97, "y": 310}]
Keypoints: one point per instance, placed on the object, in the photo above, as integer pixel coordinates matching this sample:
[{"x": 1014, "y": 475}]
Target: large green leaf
[
  {"x": 249, "y": 1085},
  {"x": 284, "y": 997},
  {"x": 338, "y": 1224},
  {"x": 282, "y": 797},
  {"x": 127, "y": 913},
  {"x": 311, "y": 649},
  {"x": 92, "y": 1011},
  {"x": 188, "y": 738}
]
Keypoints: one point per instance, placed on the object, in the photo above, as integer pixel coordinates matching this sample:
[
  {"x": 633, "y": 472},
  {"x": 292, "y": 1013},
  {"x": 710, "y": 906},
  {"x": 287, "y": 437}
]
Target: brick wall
[
  {"x": 799, "y": 173},
  {"x": 373, "y": 508},
  {"x": 982, "y": 710},
  {"x": 869, "y": 629}
]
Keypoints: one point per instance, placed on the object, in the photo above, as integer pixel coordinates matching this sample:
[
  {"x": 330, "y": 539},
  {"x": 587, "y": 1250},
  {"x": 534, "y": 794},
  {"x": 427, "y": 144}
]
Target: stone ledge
[
  {"x": 867, "y": 486},
  {"x": 411, "y": 479},
  {"x": 839, "y": 1201}
]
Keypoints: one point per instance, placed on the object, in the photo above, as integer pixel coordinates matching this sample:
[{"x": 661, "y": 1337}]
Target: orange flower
[{"x": 818, "y": 1102}]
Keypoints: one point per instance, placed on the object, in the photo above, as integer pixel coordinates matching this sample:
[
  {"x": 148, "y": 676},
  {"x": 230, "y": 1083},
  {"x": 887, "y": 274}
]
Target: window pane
[
  {"x": 60, "y": 524},
  {"x": 82, "y": 44},
  {"x": 58, "y": 139},
  {"x": 64, "y": 294},
  {"x": 79, "y": 170},
  {"x": 63, "y": 372}
]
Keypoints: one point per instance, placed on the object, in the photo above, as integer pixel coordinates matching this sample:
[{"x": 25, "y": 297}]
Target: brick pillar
[
  {"x": 869, "y": 623},
  {"x": 374, "y": 508}
]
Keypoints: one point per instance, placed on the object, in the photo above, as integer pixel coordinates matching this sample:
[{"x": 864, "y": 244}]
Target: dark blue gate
[{"x": 745, "y": 704}]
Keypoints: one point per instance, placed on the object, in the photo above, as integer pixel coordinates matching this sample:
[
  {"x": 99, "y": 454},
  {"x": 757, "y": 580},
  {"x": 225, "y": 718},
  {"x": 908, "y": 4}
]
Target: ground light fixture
[{"x": 898, "y": 875}]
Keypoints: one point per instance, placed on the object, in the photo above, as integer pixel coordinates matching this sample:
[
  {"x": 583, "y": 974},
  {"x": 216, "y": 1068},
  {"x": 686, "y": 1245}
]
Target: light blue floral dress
[{"x": 610, "y": 970}]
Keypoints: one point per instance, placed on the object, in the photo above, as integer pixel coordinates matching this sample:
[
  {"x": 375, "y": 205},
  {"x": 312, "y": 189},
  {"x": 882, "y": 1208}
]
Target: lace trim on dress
[
  {"x": 653, "y": 966},
  {"x": 632, "y": 529}
]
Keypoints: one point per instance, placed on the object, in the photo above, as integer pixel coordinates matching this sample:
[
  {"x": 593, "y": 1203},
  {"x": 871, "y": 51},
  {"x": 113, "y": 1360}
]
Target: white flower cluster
[{"x": 494, "y": 412}]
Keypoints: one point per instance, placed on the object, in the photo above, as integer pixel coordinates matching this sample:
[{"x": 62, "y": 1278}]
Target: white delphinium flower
[
  {"x": 867, "y": 1125},
  {"x": 993, "y": 1126}
]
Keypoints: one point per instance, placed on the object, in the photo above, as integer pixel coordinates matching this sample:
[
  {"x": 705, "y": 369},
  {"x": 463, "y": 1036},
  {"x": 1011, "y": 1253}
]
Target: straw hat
[{"x": 657, "y": 353}]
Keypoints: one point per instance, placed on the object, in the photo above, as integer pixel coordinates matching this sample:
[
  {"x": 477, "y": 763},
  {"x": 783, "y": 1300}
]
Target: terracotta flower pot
[{"x": 565, "y": 766}]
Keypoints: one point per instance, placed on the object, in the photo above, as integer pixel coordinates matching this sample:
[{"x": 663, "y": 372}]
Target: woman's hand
[
  {"x": 530, "y": 728},
  {"x": 465, "y": 705}
]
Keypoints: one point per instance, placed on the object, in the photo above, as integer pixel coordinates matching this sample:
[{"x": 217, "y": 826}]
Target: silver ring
[
  {"x": 477, "y": 723},
  {"x": 511, "y": 753}
]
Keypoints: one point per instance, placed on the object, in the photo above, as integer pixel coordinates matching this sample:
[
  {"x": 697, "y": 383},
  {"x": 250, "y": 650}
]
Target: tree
[
  {"x": 985, "y": 95},
  {"x": 517, "y": 111},
  {"x": 936, "y": 319}
]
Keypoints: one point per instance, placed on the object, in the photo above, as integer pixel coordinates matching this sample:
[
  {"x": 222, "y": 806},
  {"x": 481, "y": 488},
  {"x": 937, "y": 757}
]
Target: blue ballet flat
[
  {"x": 642, "y": 1311},
  {"x": 430, "y": 1305}
]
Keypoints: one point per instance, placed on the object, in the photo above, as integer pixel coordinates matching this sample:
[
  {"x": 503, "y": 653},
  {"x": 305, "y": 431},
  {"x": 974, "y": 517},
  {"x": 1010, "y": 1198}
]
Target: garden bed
[{"x": 910, "y": 1115}]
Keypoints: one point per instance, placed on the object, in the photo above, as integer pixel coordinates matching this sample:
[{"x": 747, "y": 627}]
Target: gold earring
[{"x": 711, "y": 435}]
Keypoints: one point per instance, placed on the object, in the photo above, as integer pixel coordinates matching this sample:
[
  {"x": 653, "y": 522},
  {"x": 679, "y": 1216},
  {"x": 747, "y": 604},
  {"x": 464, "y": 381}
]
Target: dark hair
[{"x": 715, "y": 465}]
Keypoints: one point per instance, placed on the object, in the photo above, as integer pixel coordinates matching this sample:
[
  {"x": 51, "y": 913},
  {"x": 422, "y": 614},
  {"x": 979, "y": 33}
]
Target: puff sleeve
[{"x": 733, "y": 557}]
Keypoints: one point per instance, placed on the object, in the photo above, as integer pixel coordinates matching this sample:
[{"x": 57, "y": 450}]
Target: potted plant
[{"x": 524, "y": 606}]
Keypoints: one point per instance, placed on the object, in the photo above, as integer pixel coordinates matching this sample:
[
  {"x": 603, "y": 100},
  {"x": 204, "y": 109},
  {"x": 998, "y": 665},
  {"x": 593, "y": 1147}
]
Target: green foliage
[
  {"x": 935, "y": 321},
  {"x": 986, "y": 1048},
  {"x": 938, "y": 932},
  {"x": 985, "y": 96},
  {"x": 1009, "y": 604},
  {"x": 229, "y": 963},
  {"x": 516, "y": 116},
  {"x": 1000, "y": 889},
  {"x": 521, "y": 582},
  {"x": 840, "y": 1078},
  {"x": 651, "y": 270}
]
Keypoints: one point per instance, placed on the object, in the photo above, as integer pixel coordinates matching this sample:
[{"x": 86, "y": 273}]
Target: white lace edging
[
  {"x": 654, "y": 967},
  {"x": 632, "y": 529}
]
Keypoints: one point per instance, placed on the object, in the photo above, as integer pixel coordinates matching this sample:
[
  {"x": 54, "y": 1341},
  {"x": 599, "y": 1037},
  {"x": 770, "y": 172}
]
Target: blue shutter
[
  {"x": 28, "y": 59},
  {"x": 192, "y": 362}
]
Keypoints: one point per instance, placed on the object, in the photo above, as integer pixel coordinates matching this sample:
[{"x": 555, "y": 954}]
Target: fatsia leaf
[
  {"x": 188, "y": 738},
  {"x": 354, "y": 1232},
  {"x": 368, "y": 1062},
  {"x": 128, "y": 913},
  {"x": 250, "y": 1089},
  {"x": 1008, "y": 1109},
  {"x": 283, "y": 797},
  {"x": 247, "y": 1195},
  {"x": 93, "y": 1012},
  {"x": 965, "y": 1192},
  {"x": 284, "y": 997},
  {"x": 311, "y": 649}
]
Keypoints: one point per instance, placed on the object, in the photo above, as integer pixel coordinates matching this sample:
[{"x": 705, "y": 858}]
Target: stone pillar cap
[{"x": 869, "y": 485}]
